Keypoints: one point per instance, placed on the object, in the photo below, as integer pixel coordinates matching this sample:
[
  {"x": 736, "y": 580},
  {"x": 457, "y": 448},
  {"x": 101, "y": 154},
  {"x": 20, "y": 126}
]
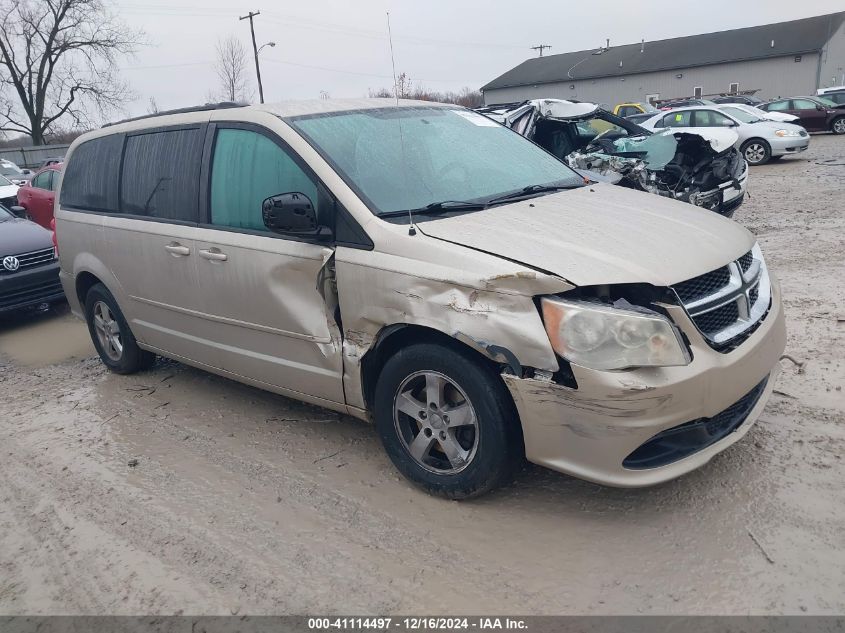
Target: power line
[{"x": 306, "y": 23}]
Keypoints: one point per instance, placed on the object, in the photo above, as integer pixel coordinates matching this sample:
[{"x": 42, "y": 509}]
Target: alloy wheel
[
  {"x": 108, "y": 331},
  {"x": 436, "y": 422},
  {"x": 755, "y": 153},
  {"x": 839, "y": 126}
]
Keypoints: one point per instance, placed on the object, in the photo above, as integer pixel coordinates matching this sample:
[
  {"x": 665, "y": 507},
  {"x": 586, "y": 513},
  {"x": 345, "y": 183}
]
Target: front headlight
[
  {"x": 604, "y": 337},
  {"x": 787, "y": 133}
]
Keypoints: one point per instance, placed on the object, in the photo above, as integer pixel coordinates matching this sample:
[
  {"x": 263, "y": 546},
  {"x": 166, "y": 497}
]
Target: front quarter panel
[{"x": 492, "y": 312}]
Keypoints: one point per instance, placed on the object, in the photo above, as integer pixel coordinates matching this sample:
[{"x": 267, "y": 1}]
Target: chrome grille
[
  {"x": 32, "y": 259},
  {"x": 727, "y": 304}
]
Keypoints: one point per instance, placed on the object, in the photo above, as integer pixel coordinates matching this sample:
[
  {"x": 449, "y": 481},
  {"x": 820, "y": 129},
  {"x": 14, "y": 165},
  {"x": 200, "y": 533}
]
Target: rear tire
[
  {"x": 837, "y": 126},
  {"x": 111, "y": 335},
  {"x": 476, "y": 450},
  {"x": 756, "y": 151}
]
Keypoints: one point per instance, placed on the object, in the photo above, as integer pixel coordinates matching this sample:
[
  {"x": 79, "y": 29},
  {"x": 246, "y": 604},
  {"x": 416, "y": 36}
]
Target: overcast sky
[{"x": 341, "y": 46}]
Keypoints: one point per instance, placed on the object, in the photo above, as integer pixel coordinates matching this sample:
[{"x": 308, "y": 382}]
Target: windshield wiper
[
  {"x": 443, "y": 206},
  {"x": 531, "y": 190}
]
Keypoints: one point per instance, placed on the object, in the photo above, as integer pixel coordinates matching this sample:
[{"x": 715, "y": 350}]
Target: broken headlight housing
[{"x": 604, "y": 337}]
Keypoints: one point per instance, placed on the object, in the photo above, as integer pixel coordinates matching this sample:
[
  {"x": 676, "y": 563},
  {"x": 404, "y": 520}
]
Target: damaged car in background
[
  {"x": 702, "y": 169},
  {"x": 423, "y": 267}
]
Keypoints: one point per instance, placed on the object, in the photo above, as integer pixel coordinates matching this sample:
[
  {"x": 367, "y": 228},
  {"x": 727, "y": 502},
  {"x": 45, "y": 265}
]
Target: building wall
[
  {"x": 832, "y": 67},
  {"x": 775, "y": 77}
]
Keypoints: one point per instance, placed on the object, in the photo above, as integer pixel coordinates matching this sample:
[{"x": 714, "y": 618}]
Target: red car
[{"x": 37, "y": 195}]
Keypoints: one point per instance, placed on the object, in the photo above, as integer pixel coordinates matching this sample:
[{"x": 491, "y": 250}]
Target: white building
[{"x": 783, "y": 59}]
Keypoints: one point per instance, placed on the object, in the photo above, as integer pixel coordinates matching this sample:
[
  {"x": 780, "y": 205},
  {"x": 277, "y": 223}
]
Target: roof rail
[{"x": 222, "y": 105}]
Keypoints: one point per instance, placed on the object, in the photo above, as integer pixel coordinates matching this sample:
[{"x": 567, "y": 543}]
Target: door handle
[
  {"x": 213, "y": 255},
  {"x": 177, "y": 250}
]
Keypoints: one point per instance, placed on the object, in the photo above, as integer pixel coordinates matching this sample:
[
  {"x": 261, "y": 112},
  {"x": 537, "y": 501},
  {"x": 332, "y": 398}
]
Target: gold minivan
[{"x": 423, "y": 267}]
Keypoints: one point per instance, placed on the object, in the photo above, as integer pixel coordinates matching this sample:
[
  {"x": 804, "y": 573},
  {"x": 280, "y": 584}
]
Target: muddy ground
[{"x": 246, "y": 502}]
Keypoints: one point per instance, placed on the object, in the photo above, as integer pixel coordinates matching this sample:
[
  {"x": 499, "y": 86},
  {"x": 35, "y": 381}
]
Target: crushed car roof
[{"x": 549, "y": 108}]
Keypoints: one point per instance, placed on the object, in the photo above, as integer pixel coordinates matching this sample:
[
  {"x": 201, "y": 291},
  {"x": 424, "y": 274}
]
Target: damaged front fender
[{"x": 494, "y": 314}]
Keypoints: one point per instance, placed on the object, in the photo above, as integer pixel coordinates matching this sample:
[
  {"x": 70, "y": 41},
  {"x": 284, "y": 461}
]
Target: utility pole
[
  {"x": 541, "y": 48},
  {"x": 255, "y": 51}
]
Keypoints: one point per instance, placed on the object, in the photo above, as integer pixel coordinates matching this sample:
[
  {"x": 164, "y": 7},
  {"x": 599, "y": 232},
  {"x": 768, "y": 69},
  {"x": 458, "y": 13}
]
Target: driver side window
[
  {"x": 247, "y": 168},
  {"x": 778, "y": 105},
  {"x": 43, "y": 180},
  {"x": 709, "y": 118}
]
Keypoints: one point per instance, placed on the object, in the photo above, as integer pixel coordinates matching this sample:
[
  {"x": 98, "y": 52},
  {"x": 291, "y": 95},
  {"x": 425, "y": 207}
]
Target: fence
[{"x": 32, "y": 156}]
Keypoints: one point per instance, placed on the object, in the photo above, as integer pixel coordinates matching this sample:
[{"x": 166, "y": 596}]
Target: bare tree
[
  {"x": 466, "y": 97},
  {"x": 152, "y": 106},
  {"x": 232, "y": 70},
  {"x": 58, "y": 63}
]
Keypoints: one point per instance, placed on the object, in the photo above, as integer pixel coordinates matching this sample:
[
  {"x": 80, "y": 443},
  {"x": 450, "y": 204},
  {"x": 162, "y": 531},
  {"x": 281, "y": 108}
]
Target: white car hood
[
  {"x": 7, "y": 191},
  {"x": 778, "y": 116},
  {"x": 601, "y": 234}
]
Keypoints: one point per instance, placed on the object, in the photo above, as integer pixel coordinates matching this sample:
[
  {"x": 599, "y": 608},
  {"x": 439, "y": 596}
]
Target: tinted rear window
[
  {"x": 90, "y": 178},
  {"x": 161, "y": 174}
]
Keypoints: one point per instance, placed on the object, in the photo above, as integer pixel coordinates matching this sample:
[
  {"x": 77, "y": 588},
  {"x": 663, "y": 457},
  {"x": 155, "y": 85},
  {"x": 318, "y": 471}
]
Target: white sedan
[{"x": 759, "y": 139}]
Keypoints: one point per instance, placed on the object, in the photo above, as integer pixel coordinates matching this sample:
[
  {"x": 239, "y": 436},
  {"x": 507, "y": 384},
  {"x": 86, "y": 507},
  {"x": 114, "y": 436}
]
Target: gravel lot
[{"x": 246, "y": 502}]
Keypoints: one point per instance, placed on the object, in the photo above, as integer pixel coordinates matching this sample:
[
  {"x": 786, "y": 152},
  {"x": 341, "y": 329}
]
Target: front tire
[
  {"x": 838, "y": 125},
  {"x": 111, "y": 335},
  {"x": 447, "y": 422},
  {"x": 756, "y": 151}
]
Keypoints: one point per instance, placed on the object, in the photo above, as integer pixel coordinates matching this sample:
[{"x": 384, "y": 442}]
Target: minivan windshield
[{"x": 418, "y": 157}]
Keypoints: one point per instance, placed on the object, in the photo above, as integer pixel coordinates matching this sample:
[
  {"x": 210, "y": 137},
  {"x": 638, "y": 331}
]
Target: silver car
[{"x": 759, "y": 140}]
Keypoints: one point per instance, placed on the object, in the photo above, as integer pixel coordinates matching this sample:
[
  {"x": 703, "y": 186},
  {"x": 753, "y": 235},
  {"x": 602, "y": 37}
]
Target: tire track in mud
[{"x": 364, "y": 560}]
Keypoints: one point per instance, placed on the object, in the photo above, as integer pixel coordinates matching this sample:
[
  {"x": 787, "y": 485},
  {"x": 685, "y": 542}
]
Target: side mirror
[
  {"x": 819, "y": 107},
  {"x": 18, "y": 211},
  {"x": 26, "y": 172},
  {"x": 293, "y": 214}
]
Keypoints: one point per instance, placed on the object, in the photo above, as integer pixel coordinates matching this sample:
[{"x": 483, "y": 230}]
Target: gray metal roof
[{"x": 807, "y": 35}]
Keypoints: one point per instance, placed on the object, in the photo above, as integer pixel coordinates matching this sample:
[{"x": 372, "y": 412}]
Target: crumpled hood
[
  {"x": 720, "y": 139},
  {"x": 601, "y": 234}
]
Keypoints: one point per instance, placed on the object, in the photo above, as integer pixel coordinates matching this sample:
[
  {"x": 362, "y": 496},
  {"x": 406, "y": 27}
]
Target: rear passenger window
[
  {"x": 248, "y": 168},
  {"x": 90, "y": 178},
  {"x": 678, "y": 119},
  {"x": 160, "y": 177}
]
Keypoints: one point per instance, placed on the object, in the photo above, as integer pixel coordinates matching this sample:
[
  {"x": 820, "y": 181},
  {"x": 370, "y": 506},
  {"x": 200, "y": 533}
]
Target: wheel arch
[
  {"x": 85, "y": 280},
  {"x": 392, "y": 338},
  {"x": 759, "y": 139}
]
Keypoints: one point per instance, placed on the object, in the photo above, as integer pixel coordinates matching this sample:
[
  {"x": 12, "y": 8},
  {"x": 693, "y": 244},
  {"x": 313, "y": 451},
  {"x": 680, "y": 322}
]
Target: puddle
[{"x": 38, "y": 339}]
